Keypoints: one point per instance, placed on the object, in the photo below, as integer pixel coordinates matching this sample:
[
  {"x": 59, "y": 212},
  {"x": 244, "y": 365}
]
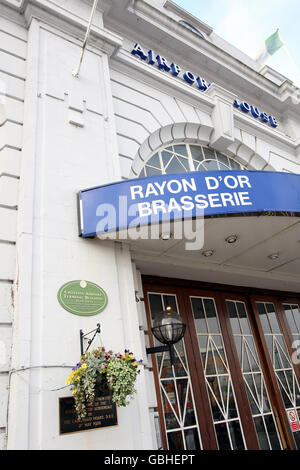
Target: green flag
[{"x": 271, "y": 45}]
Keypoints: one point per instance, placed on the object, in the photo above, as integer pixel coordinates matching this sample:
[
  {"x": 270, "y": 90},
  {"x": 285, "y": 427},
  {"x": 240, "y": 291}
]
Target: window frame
[{"x": 193, "y": 164}]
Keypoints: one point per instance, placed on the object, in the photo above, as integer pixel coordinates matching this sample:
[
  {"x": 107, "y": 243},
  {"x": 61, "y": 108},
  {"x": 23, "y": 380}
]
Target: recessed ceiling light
[
  {"x": 274, "y": 256},
  {"x": 207, "y": 253},
  {"x": 166, "y": 236},
  {"x": 231, "y": 239}
]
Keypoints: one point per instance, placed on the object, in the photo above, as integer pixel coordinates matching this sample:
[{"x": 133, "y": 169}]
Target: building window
[
  {"x": 191, "y": 28},
  {"x": 182, "y": 158}
]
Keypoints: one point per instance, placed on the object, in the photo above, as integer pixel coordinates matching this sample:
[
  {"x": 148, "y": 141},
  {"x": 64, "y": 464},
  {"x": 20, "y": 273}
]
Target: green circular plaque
[{"x": 82, "y": 298}]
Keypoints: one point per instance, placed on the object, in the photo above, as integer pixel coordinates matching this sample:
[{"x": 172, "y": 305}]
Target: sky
[{"x": 246, "y": 24}]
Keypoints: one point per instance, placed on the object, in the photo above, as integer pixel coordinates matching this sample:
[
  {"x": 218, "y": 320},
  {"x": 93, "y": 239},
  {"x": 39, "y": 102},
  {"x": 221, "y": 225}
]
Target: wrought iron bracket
[
  {"x": 84, "y": 335},
  {"x": 158, "y": 349}
]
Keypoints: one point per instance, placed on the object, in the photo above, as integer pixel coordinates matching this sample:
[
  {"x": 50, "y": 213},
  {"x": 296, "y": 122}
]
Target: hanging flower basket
[{"x": 102, "y": 373}]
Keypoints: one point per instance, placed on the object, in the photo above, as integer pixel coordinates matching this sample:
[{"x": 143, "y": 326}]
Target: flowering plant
[{"x": 119, "y": 372}]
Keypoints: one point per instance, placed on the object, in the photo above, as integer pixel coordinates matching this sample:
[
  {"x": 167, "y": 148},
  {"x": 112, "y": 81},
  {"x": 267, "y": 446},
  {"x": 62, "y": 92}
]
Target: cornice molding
[
  {"x": 73, "y": 25},
  {"x": 68, "y": 22},
  {"x": 64, "y": 20},
  {"x": 12, "y": 13},
  {"x": 15, "y": 4},
  {"x": 209, "y": 51}
]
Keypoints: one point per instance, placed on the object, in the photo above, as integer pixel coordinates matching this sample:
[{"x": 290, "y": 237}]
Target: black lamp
[{"x": 168, "y": 329}]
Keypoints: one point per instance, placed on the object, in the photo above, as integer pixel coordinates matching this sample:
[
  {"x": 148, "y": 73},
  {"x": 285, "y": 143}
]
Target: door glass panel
[
  {"x": 297, "y": 433},
  {"x": 200, "y": 321},
  {"x": 261, "y": 433},
  {"x": 192, "y": 439},
  {"x": 237, "y": 441},
  {"x": 170, "y": 301},
  {"x": 217, "y": 375},
  {"x": 284, "y": 372},
  {"x": 211, "y": 317},
  {"x": 272, "y": 432},
  {"x": 296, "y": 315},
  {"x": 272, "y": 317},
  {"x": 291, "y": 319},
  {"x": 263, "y": 318},
  {"x": 180, "y": 419},
  {"x": 223, "y": 439},
  {"x": 175, "y": 440},
  {"x": 292, "y": 313},
  {"x": 243, "y": 318},
  {"x": 252, "y": 373}
]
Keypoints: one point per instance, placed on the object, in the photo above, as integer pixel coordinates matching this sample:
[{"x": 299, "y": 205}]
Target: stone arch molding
[{"x": 245, "y": 152}]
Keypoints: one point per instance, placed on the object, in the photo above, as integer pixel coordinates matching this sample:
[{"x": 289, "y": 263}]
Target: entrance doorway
[{"x": 235, "y": 380}]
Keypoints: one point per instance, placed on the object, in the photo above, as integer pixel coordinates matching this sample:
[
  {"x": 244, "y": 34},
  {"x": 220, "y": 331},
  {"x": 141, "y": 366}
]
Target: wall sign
[
  {"x": 172, "y": 197},
  {"x": 82, "y": 298},
  {"x": 159, "y": 61},
  {"x": 101, "y": 413},
  {"x": 256, "y": 113},
  {"x": 173, "y": 68}
]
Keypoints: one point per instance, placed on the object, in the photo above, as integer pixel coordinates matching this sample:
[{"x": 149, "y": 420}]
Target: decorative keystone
[{"x": 222, "y": 117}]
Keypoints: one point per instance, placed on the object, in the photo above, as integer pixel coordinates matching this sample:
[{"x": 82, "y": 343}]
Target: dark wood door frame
[
  {"x": 209, "y": 286},
  {"x": 206, "y": 427},
  {"x": 278, "y": 405},
  {"x": 236, "y": 371},
  {"x": 233, "y": 362},
  {"x": 183, "y": 289},
  {"x": 267, "y": 367},
  {"x": 283, "y": 323}
]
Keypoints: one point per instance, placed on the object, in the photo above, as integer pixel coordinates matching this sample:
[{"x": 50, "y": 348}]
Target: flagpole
[
  {"x": 295, "y": 66},
  {"x": 75, "y": 72}
]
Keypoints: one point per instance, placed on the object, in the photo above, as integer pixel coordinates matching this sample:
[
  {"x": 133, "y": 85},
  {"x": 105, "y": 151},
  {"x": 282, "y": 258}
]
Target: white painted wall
[
  {"x": 13, "y": 36},
  {"x": 65, "y": 155},
  {"x": 69, "y": 143}
]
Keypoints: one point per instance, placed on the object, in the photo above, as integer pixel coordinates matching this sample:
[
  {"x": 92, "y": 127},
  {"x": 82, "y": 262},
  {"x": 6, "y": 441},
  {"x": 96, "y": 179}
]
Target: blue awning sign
[{"x": 140, "y": 201}]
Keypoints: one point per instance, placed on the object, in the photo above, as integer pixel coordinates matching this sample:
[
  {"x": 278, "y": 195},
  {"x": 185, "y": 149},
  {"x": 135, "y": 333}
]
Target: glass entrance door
[
  {"x": 175, "y": 394},
  {"x": 243, "y": 412},
  {"x": 266, "y": 427},
  {"x": 279, "y": 325},
  {"x": 233, "y": 385},
  {"x": 225, "y": 413}
]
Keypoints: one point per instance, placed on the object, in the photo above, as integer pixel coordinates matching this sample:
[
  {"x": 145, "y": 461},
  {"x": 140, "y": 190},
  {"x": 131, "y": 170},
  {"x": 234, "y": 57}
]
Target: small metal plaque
[{"x": 102, "y": 413}]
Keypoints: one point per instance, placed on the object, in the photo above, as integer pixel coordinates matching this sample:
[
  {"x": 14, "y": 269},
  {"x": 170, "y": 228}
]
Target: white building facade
[{"x": 158, "y": 92}]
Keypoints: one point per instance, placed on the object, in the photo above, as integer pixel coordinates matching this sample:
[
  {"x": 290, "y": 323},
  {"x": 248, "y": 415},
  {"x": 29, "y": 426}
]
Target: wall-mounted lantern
[{"x": 168, "y": 329}]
